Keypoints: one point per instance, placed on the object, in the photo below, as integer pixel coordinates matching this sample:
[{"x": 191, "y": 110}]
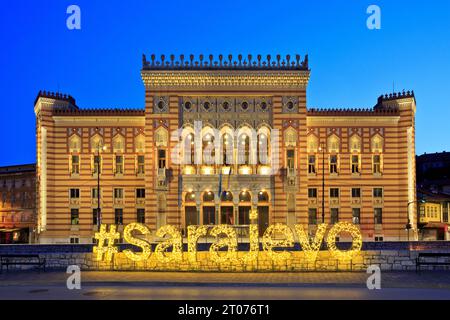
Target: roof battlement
[
  {"x": 99, "y": 112},
  {"x": 396, "y": 95},
  {"x": 56, "y": 96},
  {"x": 352, "y": 112},
  {"x": 222, "y": 63}
]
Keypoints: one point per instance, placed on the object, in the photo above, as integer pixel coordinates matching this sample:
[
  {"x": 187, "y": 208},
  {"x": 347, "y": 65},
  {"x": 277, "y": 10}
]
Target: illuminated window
[
  {"x": 189, "y": 197},
  {"x": 118, "y": 216},
  {"x": 355, "y": 144},
  {"x": 356, "y": 215},
  {"x": 227, "y": 149},
  {"x": 333, "y": 144},
  {"x": 312, "y": 216},
  {"x": 119, "y": 165},
  {"x": 94, "y": 193},
  {"x": 355, "y": 164},
  {"x": 333, "y": 164},
  {"x": 378, "y": 215},
  {"x": 263, "y": 149},
  {"x": 376, "y": 164},
  {"x": 75, "y": 164},
  {"x": 226, "y": 196},
  {"x": 244, "y": 149},
  {"x": 311, "y": 164},
  {"x": 189, "y": 149},
  {"x": 208, "y": 149},
  {"x": 74, "y": 217},
  {"x": 334, "y": 215},
  {"x": 245, "y": 196},
  {"x": 140, "y": 164},
  {"x": 263, "y": 196},
  {"x": 208, "y": 196}
]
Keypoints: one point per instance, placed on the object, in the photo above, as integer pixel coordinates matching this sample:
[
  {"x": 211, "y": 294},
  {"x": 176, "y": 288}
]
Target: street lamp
[
  {"x": 100, "y": 147},
  {"x": 322, "y": 149},
  {"x": 408, "y": 225}
]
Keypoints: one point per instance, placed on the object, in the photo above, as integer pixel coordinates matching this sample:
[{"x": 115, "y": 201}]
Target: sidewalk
[{"x": 429, "y": 280}]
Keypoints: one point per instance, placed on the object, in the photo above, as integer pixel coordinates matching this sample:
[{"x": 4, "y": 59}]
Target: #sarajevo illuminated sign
[{"x": 276, "y": 236}]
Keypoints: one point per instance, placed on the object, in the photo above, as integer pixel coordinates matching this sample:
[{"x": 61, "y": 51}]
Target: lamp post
[
  {"x": 100, "y": 147},
  {"x": 322, "y": 148},
  {"x": 408, "y": 225}
]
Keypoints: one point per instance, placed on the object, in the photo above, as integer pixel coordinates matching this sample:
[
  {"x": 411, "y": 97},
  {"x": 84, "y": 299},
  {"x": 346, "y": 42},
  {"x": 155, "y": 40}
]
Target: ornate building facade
[{"x": 218, "y": 138}]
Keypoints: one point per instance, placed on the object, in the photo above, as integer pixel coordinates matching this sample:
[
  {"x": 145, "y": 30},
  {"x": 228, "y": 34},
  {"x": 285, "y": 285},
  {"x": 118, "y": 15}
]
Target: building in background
[
  {"x": 266, "y": 151},
  {"x": 433, "y": 172},
  {"x": 433, "y": 220},
  {"x": 17, "y": 204}
]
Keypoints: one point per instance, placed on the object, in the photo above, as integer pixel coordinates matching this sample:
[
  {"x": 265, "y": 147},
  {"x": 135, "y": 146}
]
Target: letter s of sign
[
  {"x": 374, "y": 20},
  {"x": 374, "y": 280},
  {"x": 74, "y": 280},
  {"x": 73, "y": 22}
]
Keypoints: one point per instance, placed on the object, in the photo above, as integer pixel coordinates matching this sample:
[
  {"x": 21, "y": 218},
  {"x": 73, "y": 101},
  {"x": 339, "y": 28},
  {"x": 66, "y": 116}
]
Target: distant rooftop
[{"x": 18, "y": 168}]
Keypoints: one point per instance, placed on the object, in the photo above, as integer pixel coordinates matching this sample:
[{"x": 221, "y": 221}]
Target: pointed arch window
[{"x": 227, "y": 149}]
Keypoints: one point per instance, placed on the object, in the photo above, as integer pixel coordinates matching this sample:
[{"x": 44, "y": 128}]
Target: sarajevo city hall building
[{"x": 218, "y": 138}]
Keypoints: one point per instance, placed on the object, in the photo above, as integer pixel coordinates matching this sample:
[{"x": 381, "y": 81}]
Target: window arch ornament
[
  {"x": 377, "y": 143},
  {"x": 74, "y": 144},
  {"x": 96, "y": 142},
  {"x": 139, "y": 143},
  {"x": 333, "y": 143},
  {"x": 312, "y": 142},
  {"x": 118, "y": 143},
  {"x": 355, "y": 143},
  {"x": 290, "y": 137},
  {"x": 161, "y": 137}
]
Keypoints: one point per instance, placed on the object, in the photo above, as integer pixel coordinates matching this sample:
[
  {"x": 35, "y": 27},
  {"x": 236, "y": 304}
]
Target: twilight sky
[{"x": 99, "y": 65}]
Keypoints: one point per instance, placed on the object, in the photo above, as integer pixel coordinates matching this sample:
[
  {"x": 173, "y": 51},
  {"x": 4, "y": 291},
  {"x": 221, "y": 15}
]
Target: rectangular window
[
  {"x": 140, "y": 215},
  {"x": 140, "y": 193},
  {"x": 74, "y": 193},
  {"x": 74, "y": 217},
  {"x": 378, "y": 212},
  {"x": 376, "y": 164},
  {"x": 140, "y": 165},
  {"x": 312, "y": 164},
  {"x": 356, "y": 215},
  {"x": 161, "y": 159},
  {"x": 119, "y": 165},
  {"x": 74, "y": 240},
  {"x": 118, "y": 216},
  {"x": 356, "y": 192},
  {"x": 355, "y": 164},
  {"x": 312, "y": 216},
  {"x": 95, "y": 216},
  {"x": 290, "y": 158},
  {"x": 94, "y": 193},
  {"x": 97, "y": 164},
  {"x": 378, "y": 192},
  {"x": 333, "y": 164},
  {"x": 75, "y": 165},
  {"x": 379, "y": 239},
  {"x": 334, "y": 192},
  {"x": 334, "y": 215},
  {"x": 312, "y": 193},
  {"x": 118, "y": 193}
]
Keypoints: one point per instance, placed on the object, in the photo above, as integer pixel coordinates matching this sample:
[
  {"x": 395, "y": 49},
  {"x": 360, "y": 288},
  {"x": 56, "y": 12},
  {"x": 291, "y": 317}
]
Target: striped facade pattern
[{"x": 164, "y": 203}]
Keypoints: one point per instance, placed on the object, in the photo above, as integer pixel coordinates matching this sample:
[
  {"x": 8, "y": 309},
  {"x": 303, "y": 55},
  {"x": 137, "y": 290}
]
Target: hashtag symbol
[{"x": 101, "y": 251}]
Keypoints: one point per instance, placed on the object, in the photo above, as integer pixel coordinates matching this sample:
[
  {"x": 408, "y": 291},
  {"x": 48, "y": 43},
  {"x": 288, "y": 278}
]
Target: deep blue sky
[{"x": 100, "y": 64}]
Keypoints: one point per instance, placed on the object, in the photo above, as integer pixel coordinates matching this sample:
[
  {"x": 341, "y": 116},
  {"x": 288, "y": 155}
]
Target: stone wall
[{"x": 393, "y": 256}]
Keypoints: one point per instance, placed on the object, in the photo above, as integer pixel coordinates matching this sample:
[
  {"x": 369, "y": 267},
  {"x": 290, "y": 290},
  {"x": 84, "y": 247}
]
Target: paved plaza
[{"x": 203, "y": 286}]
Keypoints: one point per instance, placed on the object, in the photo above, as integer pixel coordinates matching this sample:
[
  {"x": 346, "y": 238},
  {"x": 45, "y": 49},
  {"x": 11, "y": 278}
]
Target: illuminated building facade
[
  {"x": 17, "y": 204},
  {"x": 217, "y": 138}
]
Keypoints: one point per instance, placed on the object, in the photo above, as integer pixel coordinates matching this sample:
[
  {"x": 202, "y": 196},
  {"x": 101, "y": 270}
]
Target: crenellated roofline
[{"x": 222, "y": 63}]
